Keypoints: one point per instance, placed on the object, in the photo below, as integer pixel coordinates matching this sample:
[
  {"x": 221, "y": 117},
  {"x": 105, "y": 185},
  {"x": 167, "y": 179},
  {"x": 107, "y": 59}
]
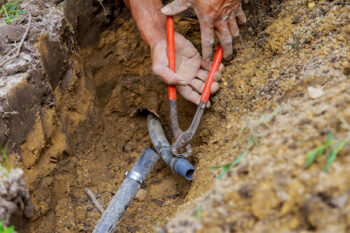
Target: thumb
[{"x": 176, "y": 7}]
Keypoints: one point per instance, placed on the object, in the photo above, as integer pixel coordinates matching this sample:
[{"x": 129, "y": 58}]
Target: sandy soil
[
  {"x": 303, "y": 50},
  {"x": 96, "y": 127}
]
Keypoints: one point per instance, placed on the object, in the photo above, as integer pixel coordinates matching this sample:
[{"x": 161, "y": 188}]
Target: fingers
[
  {"x": 192, "y": 95},
  {"x": 202, "y": 75},
  {"x": 198, "y": 86},
  {"x": 189, "y": 94},
  {"x": 225, "y": 37},
  {"x": 206, "y": 64},
  {"x": 218, "y": 74},
  {"x": 236, "y": 17},
  {"x": 176, "y": 7},
  {"x": 167, "y": 75},
  {"x": 241, "y": 18},
  {"x": 234, "y": 30},
  {"x": 214, "y": 87},
  {"x": 207, "y": 37},
  {"x": 198, "y": 83}
]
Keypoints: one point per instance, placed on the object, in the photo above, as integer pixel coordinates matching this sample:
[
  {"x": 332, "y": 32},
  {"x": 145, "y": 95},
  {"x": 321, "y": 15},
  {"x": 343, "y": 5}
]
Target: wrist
[
  {"x": 149, "y": 19},
  {"x": 155, "y": 36}
]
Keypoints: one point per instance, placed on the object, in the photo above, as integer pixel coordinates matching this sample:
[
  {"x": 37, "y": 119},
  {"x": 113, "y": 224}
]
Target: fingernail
[
  {"x": 165, "y": 10},
  {"x": 183, "y": 83}
]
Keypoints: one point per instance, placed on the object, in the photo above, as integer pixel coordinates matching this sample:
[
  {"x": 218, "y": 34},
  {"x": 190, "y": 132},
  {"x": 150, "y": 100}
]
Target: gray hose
[
  {"x": 127, "y": 191},
  {"x": 178, "y": 165}
]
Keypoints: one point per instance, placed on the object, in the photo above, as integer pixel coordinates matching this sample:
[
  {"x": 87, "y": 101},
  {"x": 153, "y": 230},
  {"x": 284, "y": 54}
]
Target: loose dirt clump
[{"x": 14, "y": 197}]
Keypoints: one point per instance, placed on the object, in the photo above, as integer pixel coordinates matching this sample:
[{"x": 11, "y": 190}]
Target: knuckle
[
  {"x": 209, "y": 41},
  {"x": 188, "y": 4},
  {"x": 155, "y": 68},
  {"x": 235, "y": 33},
  {"x": 226, "y": 41}
]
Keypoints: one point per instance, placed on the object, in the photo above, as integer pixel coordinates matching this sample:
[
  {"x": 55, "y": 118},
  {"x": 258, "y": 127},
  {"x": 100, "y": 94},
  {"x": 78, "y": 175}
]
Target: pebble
[
  {"x": 141, "y": 195},
  {"x": 315, "y": 92},
  {"x": 311, "y": 5}
]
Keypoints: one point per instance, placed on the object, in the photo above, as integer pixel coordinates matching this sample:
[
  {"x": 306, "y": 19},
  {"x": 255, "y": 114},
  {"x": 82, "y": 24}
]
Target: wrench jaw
[
  {"x": 180, "y": 152},
  {"x": 176, "y": 131},
  {"x": 184, "y": 138},
  {"x": 181, "y": 142}
]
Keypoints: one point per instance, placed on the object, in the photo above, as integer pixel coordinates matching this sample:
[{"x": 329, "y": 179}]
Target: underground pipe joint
[
  {"x": 127, "y": 191},
  {"x": 178, "y": 165}
]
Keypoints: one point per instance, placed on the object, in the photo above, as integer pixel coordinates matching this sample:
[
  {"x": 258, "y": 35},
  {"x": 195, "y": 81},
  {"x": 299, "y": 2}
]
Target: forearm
[{"x": 149, "y": 19}]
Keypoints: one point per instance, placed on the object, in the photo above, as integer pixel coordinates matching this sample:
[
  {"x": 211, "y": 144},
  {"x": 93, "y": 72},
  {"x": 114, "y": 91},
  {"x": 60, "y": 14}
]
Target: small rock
[
  {"x": 141, "y": 195},
  {"x": 315, "y": 92},
  {"x": 13, "y": 33},
  {"x": 311, "y": 5},
  {"x": 340, "y": 201}
]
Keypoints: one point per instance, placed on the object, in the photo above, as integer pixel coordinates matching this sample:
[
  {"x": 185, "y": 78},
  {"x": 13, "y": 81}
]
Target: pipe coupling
[{"x": 134, "y": 176}]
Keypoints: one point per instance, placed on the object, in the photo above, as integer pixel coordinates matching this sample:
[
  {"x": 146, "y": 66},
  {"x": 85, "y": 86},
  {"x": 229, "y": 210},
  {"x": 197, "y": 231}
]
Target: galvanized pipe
[{"x": 127, "y": 191}]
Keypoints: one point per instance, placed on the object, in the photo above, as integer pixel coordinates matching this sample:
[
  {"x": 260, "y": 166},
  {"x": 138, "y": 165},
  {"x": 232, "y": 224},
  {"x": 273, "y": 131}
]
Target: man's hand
[
  {"x": 188, "y": 68},
  {"x": 189, "y": 76},
  {"x": 221, "y": 16}
]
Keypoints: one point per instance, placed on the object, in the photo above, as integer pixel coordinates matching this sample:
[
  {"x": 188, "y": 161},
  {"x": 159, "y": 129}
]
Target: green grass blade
[
  {"x": 330, "y": 137},
  {"x": 198, "y": 213},
  {"x": 238, "y": 159},
  {"x": 333, "y": 154},
  {"x": 3, "y": 229},
  {"x": 7, "y": 15},
  {"x": 311, "y": 157},
  {"x": 219, "y": 166},
  {"x": 233, "y": 164},
  {"x": 224, "y": 171},
  {"x": 10, "y": 229}
]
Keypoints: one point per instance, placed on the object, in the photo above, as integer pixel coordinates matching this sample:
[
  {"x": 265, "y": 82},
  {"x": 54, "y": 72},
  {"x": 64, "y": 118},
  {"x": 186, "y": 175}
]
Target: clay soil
[{"x": 286, "y": 87}]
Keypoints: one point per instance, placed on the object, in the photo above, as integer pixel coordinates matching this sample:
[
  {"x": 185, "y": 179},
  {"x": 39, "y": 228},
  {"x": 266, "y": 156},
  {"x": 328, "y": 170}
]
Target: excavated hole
[
  {"x": 102, "y": 109},
  {"x": 101, "y": 113}
]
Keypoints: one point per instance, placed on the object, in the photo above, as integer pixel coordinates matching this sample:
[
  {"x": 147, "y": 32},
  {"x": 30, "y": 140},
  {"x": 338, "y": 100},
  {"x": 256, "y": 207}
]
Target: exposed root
[
  {"x": 104, "y": 9},
  {"x": 93, "y": 199},
  {"x": 9, "y": 57}
]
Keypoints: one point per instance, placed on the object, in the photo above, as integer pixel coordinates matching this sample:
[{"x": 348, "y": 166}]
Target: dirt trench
[
  {"x": 98, "y": 125},
  {"x": 95, "y": 125},
  {"x": 96, "y": 128}
]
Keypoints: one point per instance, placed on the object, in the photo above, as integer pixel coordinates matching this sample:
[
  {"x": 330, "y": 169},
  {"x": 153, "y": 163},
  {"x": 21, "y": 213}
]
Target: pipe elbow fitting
[{"x": 184, "y": 168}]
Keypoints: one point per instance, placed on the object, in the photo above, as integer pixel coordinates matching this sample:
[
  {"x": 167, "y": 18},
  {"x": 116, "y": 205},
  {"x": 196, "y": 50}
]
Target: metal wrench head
[
  {"x": 182, "y": 141},
  {"x": 182, "y": 153},
  {"x": 176, "y": 131}
]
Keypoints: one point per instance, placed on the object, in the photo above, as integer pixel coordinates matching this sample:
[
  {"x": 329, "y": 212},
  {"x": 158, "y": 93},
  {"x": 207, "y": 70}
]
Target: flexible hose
[{"x": 178, "y": 165}]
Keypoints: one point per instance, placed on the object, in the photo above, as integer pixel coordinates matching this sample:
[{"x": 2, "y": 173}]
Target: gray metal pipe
[
  {"x": 178, "y": 165},
  {"x": 127, "y": 191}
]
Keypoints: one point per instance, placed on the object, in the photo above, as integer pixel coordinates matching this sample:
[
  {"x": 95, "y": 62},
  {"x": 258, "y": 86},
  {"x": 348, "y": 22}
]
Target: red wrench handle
[
  {"x": 214, "y": 67},
  {"x": 171, "y": 52}
]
